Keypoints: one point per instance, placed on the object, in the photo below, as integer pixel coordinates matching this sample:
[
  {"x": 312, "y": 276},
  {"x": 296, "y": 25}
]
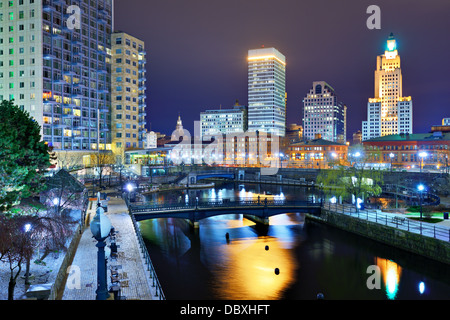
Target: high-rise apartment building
[
  {"x": 389, "y": 112},
  {"x": 128, "y": 110},
  {"x": 223, "y": 121},
  {"x": 323, "y": 114},
  {"x": 267, "y": 91},
  {"x": 55, "y": 64}
]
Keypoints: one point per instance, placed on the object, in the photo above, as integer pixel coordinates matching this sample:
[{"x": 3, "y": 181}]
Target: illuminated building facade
[
  {"x": 128, "y": 111},
  {"x": 223, "y": 121},
  {"x": 323, "y": 114},
  {"x": 429, "y": 150},
  {"x": 317, "y": 153},
  {"x": 389, "y": 112},
  {"x": 58, "y": 72},
  {"x": 267, "y": 91}
]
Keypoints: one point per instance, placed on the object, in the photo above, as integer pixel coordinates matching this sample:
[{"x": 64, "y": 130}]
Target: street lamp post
[
  {"x": 422, "y": 155},
  {"x": 421, "y": 188},
  {"x": 101, "y": 228},
  {"x": 391, "y": 155},
  {"x": 27, "y": 229}
]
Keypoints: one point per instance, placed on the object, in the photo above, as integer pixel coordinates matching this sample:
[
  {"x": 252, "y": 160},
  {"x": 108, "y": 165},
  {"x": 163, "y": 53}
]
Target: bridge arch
[{"x": 261, "y": 211}]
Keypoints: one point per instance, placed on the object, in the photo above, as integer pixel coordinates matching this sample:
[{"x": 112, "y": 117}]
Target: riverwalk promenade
[
  {"x": 430, "y": 240},
  {"x": 129, "y": 269}
]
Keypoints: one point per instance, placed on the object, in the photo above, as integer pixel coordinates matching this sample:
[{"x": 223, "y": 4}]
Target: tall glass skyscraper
[
  {"x": 388, "y": 112},
  {"x": 267, "y": 91},
  {"x": 56, "y": 65}
]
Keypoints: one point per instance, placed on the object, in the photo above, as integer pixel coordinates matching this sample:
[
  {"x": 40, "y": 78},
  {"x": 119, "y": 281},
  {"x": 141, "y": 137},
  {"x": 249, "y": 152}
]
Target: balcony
[
  {"x": 59, "y": 80},
  {"x": 76, "y": 62},
  {"x": 79, "y": 126},
  {"x": 101, "y": 19},
  {"x": 49, "y": 101},
  {"x": 76, "y": 42},
  {"x": 57, "y": 36},
  {"x": 47, "y": 6},
  {"x": 48, "y": 55},
  {"x": 102, "y": 70},
  {"x": 68, "y": 72},
  {"x": 76, "y": 94},
  {"x": 103, "y": 108},
  {"x": 78, "y": 53},
  {"x": 79, "y": 85}
]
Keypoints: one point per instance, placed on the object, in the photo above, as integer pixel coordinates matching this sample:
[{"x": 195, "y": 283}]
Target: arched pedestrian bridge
[
  {"x": 194, "y": 177},
  {"x": 257, "y": 210}
]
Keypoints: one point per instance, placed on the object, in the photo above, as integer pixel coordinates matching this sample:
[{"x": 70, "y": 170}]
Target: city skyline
[{"x": 209, "y": 55}]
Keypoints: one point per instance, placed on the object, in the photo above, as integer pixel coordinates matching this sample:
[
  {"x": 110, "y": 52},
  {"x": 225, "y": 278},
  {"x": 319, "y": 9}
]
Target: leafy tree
[
  {"x": 358, "y": 180},
  {"x": 23, "y": 156}
]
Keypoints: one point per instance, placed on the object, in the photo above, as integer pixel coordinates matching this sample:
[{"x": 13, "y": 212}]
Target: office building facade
[
  {"x": 223, "y": 121},
  {"x": 389, "y": 112},
  {"x": 267, "y": 91},
  {"x": 323, "y": 114}
]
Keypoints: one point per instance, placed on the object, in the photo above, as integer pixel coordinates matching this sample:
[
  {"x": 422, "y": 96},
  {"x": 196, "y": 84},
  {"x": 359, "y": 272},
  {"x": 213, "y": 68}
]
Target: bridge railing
[
  {"x": 225, "y": 203},
  {"x": 392, "y": 220}
]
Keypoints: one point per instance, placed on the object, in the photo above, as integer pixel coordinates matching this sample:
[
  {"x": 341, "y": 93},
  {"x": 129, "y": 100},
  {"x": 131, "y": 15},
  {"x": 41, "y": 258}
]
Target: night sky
[{"x": 197, "y": 50}]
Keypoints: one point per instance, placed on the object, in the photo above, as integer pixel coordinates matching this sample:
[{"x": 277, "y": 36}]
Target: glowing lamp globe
[{"x": 100, "y": 225}]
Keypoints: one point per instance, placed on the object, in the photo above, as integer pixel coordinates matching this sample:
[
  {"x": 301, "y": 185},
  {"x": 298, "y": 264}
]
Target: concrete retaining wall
[
  {"x": 415, "y": 243},
  {"x": 60, "y": 281}
]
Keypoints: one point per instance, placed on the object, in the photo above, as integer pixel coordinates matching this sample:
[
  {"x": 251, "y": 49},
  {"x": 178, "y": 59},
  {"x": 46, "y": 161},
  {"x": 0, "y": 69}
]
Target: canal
[{"x": 290, "y": 259}]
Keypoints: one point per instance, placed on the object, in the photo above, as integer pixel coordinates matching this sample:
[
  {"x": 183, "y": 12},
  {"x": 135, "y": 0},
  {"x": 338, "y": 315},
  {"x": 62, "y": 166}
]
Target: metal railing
[
  {"x": 428, "y": 198},
  {"x": 153, "y": 277},
  {"x": 137, "y": 207},
  {"x": 392, "y": 220}
]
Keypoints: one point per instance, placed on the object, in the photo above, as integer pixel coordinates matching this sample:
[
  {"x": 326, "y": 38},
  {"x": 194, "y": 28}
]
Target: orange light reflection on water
[
  {"x": 391, "y": 272},
  {"x": 248, "y": 271}
]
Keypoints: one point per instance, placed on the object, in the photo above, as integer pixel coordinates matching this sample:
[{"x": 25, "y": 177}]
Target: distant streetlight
[
  {"x": 421, "y": 287},
  {"x": 420, "y": 188},
  {"x": 27, "y": 227},
  {"x": 392, "y": 158},
  {"x": 130, "y": 187},
  {"x": 422, "y": 155}
]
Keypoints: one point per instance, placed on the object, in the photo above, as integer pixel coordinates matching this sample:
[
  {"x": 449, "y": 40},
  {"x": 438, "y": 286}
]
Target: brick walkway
[{"x": 133, "y": 275}]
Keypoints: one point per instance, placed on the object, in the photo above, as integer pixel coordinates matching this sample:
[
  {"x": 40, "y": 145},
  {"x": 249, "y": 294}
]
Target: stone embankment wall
[{"x": 415, "y": 243}]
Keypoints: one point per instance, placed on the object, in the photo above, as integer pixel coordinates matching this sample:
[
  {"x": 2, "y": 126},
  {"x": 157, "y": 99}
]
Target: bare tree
[
  {"x": 15, "y": 246},
  {"x": 69, "y": 160},
  {"x": 63, "y": 194},
  {"x": 102, "y": 161}
]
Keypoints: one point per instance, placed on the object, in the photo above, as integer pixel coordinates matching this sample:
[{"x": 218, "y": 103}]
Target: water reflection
[
  {"x": 247, "y": 270},
  {"x": 391, "y": 272},
  {"x": 311, "y": 258}
]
